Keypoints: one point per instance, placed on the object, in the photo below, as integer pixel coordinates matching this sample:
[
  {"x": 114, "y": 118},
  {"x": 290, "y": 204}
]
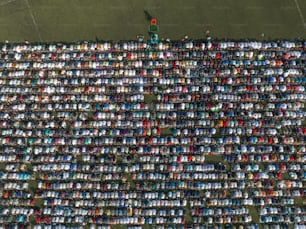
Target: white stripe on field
[
  {"x": 300, "y": 13},
  {"x": 33, "y": 19},
  {"x": 7, "y": 2}
]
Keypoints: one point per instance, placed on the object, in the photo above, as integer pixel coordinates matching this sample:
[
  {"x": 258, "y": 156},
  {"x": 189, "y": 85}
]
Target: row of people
[{"x": 181, "y": 133}]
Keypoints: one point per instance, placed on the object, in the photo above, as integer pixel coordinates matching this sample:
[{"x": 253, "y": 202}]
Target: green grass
[
  {"x": 71, "y": 20},
  {"x": 32, "y": 220},
  {"x": 188, "y": 215},
  {"x": 33, "y": 186},
  {"x": 285, "y": 176},
  {"x": 213, "y": 158},
  {"x": 79, "y": 159},
  {"x": 253, "y": 212},
  {"x": 299, "y": 201},
  {"x": 131, "y": 181},
  {"x": 261, "y": 166},
  {"x": 146, "y": 226},
  {"x": 149, "y": 99},
  {"x": 148, "y": 15},
  {"x": 304, "y": 122},
  {"x": 28, "y": 168},
  {"x": 39, "y": 203},
  {"x": 119, "y": 227},
  {"x": 165, "y": 131},
  {"x": 2, "y": 166},
  {"x": 291, "y": 226}
]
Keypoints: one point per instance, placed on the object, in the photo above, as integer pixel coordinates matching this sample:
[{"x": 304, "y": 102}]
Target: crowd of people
[{"x": 173, "y": 135}]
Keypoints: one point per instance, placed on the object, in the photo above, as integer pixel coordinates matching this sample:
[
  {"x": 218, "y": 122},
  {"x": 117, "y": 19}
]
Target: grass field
[{"x": 71, "y": 20}]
